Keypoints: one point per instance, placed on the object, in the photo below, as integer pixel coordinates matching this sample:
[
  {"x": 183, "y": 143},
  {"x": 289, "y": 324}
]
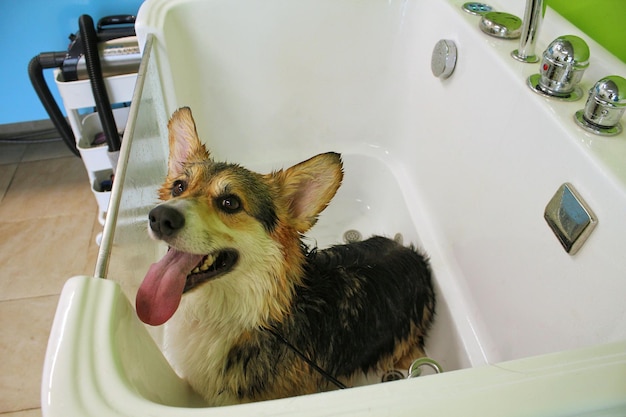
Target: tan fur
[{"x": 265, "y": 293}]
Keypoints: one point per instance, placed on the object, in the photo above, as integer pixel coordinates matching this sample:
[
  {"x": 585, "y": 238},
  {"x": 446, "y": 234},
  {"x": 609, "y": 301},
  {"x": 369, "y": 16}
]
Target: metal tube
[
  {"x": 106, "y": 245},
  {"x": 533, "y": 17}
]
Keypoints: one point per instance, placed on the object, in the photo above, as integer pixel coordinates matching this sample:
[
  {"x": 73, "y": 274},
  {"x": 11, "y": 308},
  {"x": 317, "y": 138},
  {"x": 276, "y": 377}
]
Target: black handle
[{"x": 118, "y": 19}]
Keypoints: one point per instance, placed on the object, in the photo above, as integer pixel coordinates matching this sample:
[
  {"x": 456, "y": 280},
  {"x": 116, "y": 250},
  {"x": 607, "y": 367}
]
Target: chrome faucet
[
  {"x": 533, "y": 16},
  {"x": 605, "y": 106},
  {"x": 562, "y": 67}
]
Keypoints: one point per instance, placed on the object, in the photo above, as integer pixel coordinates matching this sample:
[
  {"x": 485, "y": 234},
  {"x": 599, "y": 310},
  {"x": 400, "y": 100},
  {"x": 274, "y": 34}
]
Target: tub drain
[
  {"x": 392, "y": 375},
  {"x": 351, "y": 236}
]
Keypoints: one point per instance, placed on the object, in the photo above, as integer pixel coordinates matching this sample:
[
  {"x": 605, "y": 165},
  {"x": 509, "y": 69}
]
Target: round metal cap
[
  {"x": 501, "y": 25},
  {"x": 476, "y": 8},
  {"x": 443, "y": 59}
]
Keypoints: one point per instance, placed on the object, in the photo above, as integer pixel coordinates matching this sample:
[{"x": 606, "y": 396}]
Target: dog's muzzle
[{"x": 165, "y": 221}]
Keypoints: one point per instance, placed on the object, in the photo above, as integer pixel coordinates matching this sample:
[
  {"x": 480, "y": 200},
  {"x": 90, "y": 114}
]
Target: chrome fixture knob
[
  {"x": 562, "y": 67},
  {"x": 605, "y": 106},
  {"x": 501, "y": 25}
]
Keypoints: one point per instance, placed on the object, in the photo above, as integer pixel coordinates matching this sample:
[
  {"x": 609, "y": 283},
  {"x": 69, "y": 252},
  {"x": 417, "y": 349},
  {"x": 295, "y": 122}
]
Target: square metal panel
[{"x": 570, "y": 218}]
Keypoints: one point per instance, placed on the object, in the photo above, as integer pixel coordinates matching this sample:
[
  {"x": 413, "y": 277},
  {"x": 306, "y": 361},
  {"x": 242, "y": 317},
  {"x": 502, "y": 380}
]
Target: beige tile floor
[{"x": 48, "y": 225}]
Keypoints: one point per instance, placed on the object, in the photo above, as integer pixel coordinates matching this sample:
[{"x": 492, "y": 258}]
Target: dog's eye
[
  {"x": 178, "y": 188},
  {"x": 230, "y": 204}
]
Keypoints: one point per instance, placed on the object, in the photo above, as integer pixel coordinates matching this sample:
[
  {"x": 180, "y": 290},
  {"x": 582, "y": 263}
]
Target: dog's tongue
[{"x": 162, "y": 288}]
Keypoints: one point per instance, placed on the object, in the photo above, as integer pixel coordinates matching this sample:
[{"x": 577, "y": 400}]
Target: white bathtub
[{"x": 462, "y": 167}]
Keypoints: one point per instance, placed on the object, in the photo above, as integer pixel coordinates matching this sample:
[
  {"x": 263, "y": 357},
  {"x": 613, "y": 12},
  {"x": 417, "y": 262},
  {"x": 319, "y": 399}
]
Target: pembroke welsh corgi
[{"x": 255, "y": 313}]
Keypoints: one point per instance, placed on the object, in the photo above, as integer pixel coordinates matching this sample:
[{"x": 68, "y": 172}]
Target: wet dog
[{"x": 259, "y": 315}]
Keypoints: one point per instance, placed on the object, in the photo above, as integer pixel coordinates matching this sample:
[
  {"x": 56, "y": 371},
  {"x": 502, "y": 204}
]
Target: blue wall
[{"x": 28, "y": 27}]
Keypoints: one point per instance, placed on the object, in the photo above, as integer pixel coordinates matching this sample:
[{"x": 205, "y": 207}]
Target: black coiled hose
[
  {"x": 94, "y": 70},
  {"x": 35, "y": 72}
]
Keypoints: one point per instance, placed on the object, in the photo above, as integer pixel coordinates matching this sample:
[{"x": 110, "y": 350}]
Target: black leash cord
[{"x": 308, "y": 361}]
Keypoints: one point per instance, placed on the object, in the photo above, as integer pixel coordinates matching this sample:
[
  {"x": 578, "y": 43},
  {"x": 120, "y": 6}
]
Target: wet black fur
[{"x": 357, "y": 301}]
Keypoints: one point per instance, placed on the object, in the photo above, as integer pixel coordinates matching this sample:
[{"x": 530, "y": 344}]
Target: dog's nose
[{"x": 165, "y": 221}]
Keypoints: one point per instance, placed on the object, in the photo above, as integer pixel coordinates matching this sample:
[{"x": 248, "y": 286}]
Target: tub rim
[{"x": 82, "y": 375}]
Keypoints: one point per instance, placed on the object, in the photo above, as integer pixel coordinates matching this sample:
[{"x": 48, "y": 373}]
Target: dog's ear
[
  {"x": 309, "y": 186},
  {"x": 185, "y": 146}
]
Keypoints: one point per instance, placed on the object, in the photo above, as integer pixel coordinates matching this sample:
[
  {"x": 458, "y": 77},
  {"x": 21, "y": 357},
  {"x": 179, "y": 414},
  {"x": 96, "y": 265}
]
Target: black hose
[
  {"x": 98, "y": 88},
  {"x": 35, "y": 72}
]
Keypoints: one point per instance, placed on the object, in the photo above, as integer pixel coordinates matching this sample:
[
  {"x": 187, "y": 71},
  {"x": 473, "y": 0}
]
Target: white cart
[{"x": 79, "y": 102}]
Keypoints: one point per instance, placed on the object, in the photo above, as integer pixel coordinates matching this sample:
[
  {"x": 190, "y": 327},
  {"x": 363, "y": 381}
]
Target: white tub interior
[
  {"x": 475, "y": 158},
  {"x": 462, "y": 168}
]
